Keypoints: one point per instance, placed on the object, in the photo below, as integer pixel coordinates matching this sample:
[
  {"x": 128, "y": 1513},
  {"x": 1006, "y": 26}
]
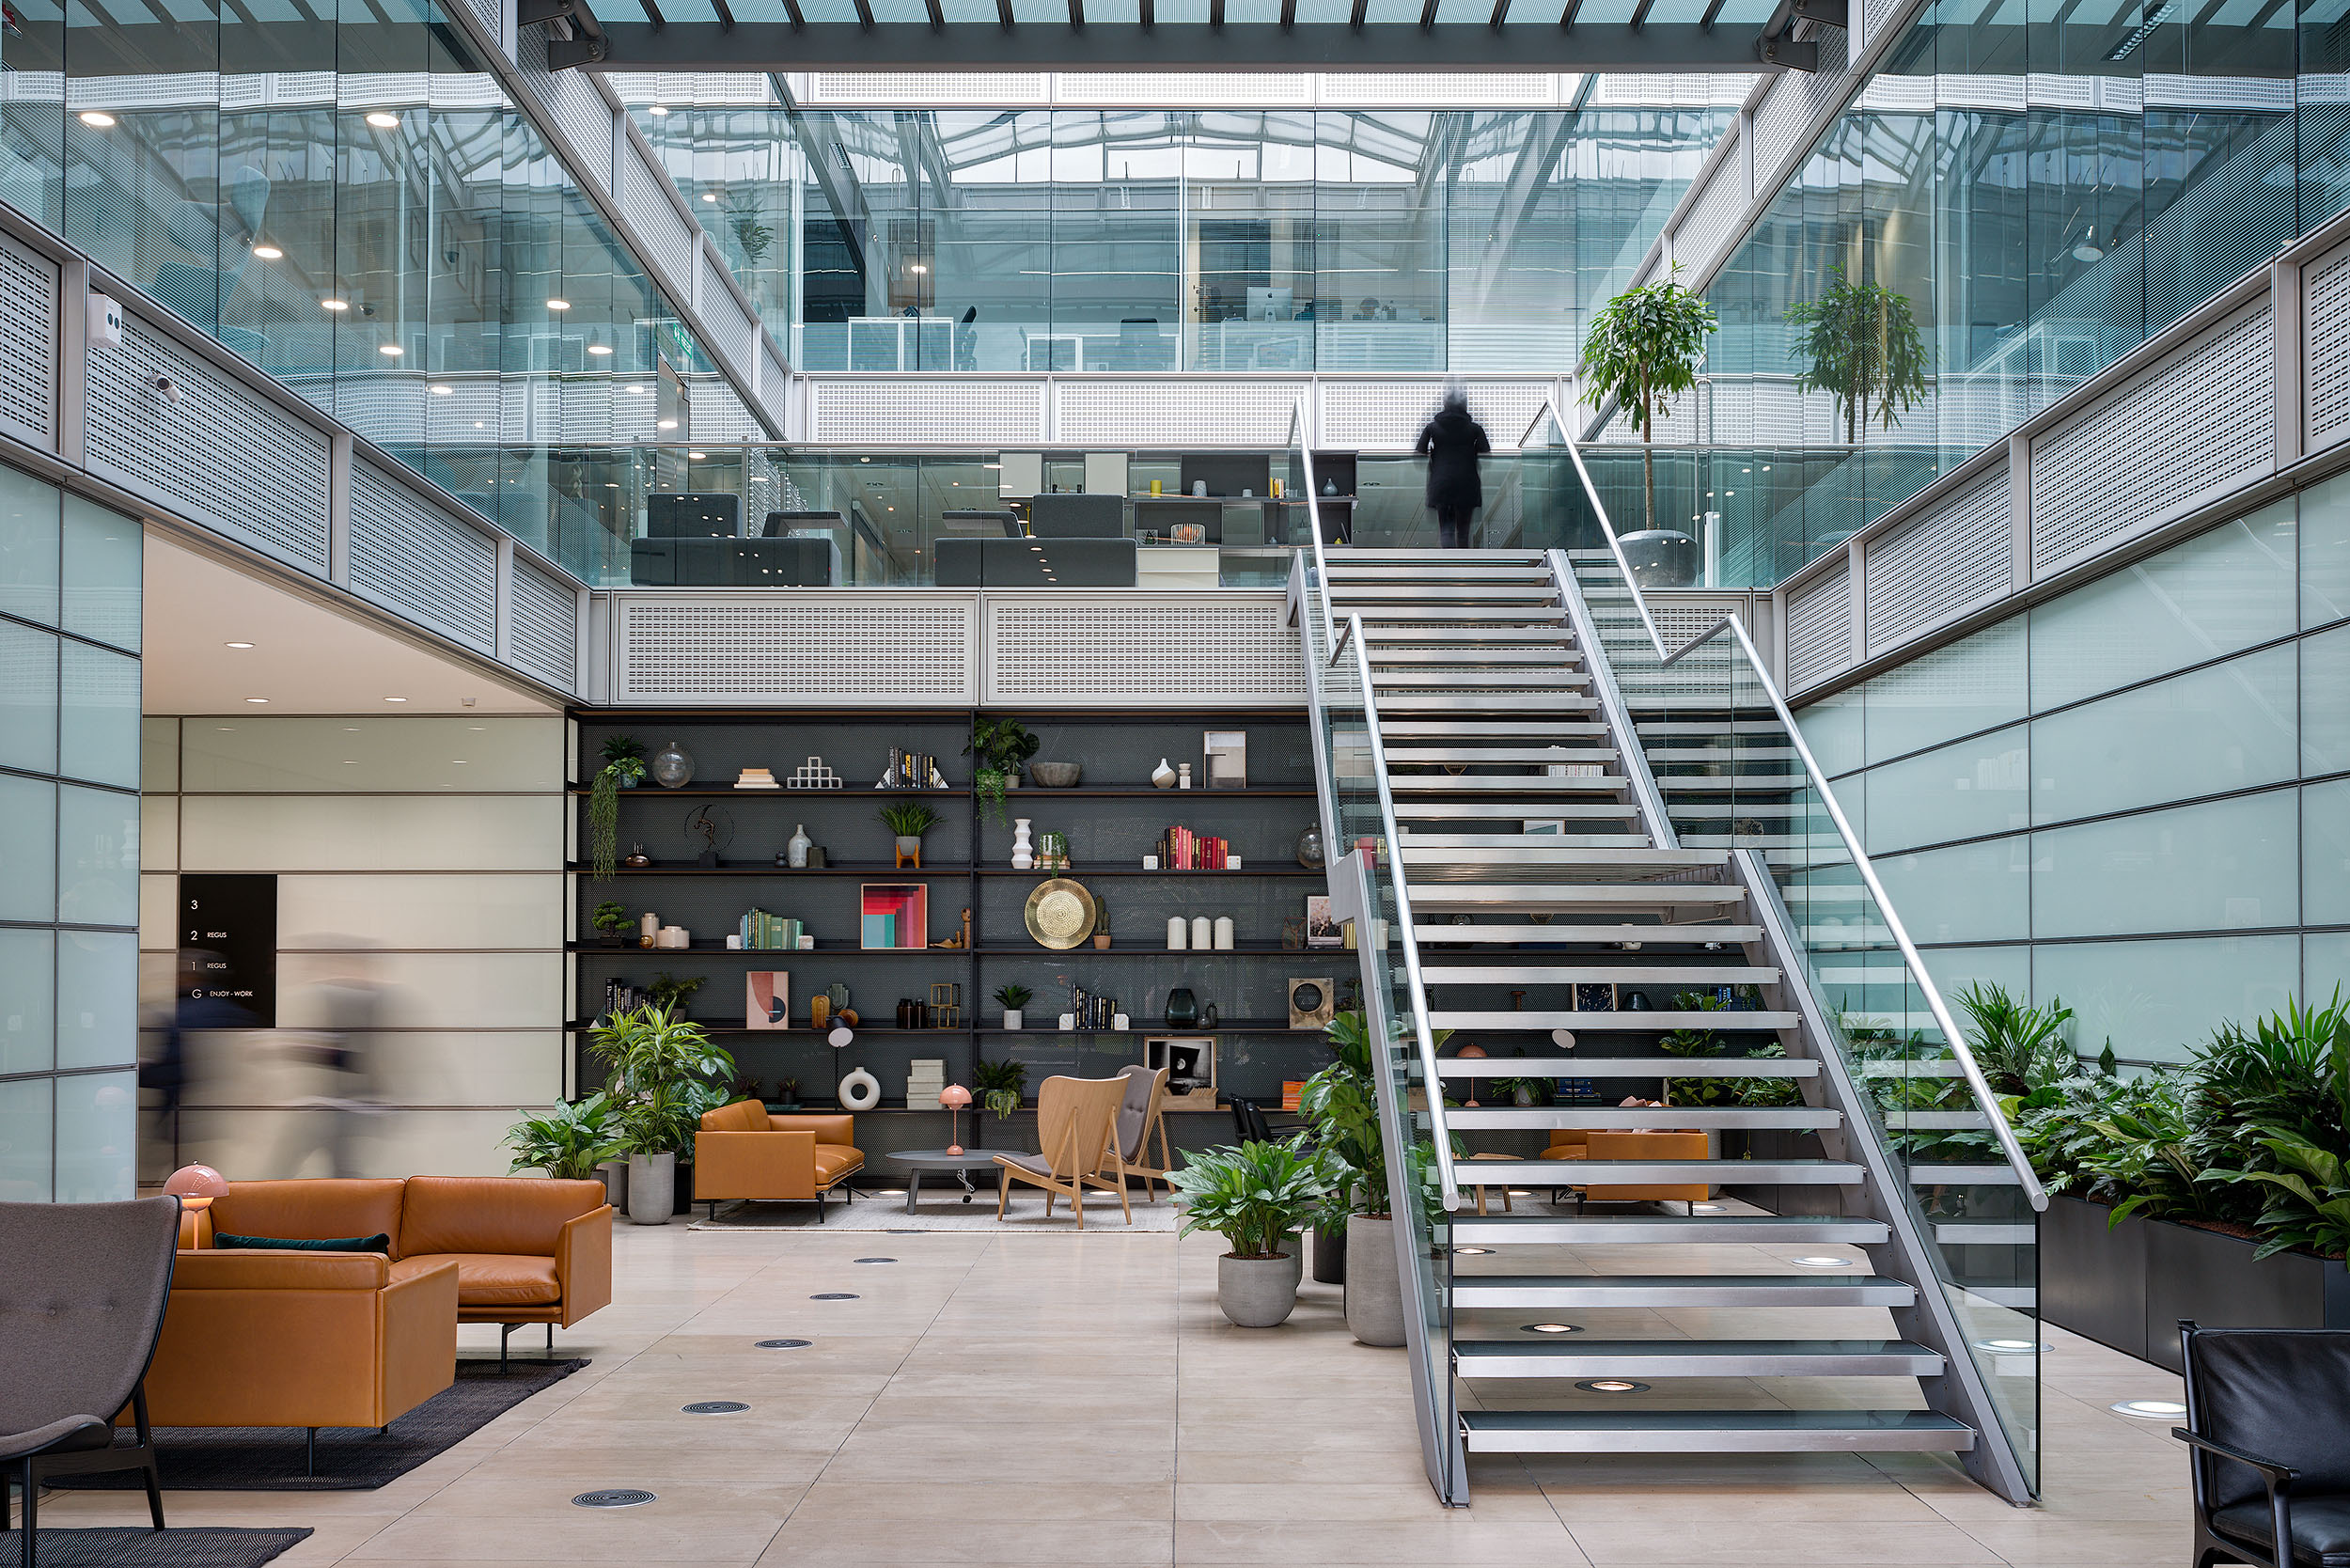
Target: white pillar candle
[
  {"x": 1202, "y": 934},
  {"x": 1178, "y": 933},
  {"x": 1224, "y": 933}
]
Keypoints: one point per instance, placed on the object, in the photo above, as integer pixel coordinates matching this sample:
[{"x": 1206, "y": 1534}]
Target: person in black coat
[{"x": 1453, "y": 442}]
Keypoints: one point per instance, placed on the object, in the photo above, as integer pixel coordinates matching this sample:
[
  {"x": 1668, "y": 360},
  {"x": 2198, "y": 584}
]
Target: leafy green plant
[
  {"x": 1643, "y": 349},
  {"x": 1014, "y": 996},
  {"x": 624, "y": 764},
  {"x": 569, "y": 1141},
  {"x": 2309, "y": 1200},
  {"x": 661, "y": 1072},
  {"x": 1341, "y": 1105},
  {"x": 671, "y": 991},
  {"x": 2020, "y": 1049},
  {"x": 610, "y": 918},
  {"x": 1002, "y": 746},
  {"x": 908, "y": 819},
  {"x": 1254, "y": 1195},
  {"x": 1861, "y": 343},
  {"x": 755, "y": 238},
  {"x": 1001, "y": 1084}
]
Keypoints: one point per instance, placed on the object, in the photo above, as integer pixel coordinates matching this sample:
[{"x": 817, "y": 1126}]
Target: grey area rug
[
  {"x": 940, "y": 1209},
  {"x": 145, "y": 1548},
  {"x": 351, "y": 1459}
]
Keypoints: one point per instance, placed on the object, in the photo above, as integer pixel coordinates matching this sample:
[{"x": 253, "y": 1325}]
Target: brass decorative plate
[{"x": 1059, "y": 914}]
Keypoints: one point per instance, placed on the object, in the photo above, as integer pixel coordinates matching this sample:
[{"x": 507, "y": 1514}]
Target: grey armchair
[{"x": 82, "y": 1301}]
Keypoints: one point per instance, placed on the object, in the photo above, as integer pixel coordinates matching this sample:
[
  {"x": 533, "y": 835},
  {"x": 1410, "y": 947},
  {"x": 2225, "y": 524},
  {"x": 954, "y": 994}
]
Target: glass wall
[
  {"x": 354, "y": 207},
  {"x": 1143, "y": 239},
  {"x": 2022, "y": 195},
  {"x": 2135, "y": 797},
  {"x": 69, "y": 845}
]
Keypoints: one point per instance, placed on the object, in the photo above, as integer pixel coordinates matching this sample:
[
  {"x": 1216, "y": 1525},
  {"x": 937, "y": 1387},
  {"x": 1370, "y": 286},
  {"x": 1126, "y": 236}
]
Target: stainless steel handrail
[
  {"x": 1975, "y": 1082},
  {"x": 1298, "y": 427},
  {"x": 1635, "y": 757}
]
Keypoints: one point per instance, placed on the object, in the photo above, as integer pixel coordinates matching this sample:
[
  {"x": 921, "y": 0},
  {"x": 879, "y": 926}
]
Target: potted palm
[
  {"x": 909, "y": 820},
  {"x": 1644, "y": 349},
  {"x": 661, "y": 1073},
  {"x": 1014, "y": 998},
  {"x": 1256, "y": 1196}
]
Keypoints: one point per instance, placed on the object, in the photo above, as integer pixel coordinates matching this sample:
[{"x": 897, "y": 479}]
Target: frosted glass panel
[
  {"x": 159, "y": 833},
  {"x": 2217, "y": 729},
  {"x": 444, "y": 991},
  {"x": 96, "y": 1137},
  {"x": 1960, "y": 791},
  {"x": 1831, "y": 728},
  {"x": 97, "y": 996},
  {"x": 28, "y": 547},
  {"x": 28, "y": 699},
  {"x": 2326, "y": 702},
  {"x": 1956, "y": 968},
  {"x": 158, "y": 918},
  {"x": 2153, "y": 999},
  {"x": 98, "y": 718},
  {"x": 2198, "y": 600},
  {"x": 2227, "y": 864},
  {"x": 469, "y": 1068},
  {"x": 2324, "y": 965},
  {"x": 1973, "y": 685},
  {"x": 98, "y": 856},
  {"x": 99, "y": 571},
  {"x": 309, "y": 755},
  {"x": 25, "y": 1135},
  {"x": 380, "y": 833},
  {"x": 394, "y": 911},
  {"x": 2325, "y": 551},
  {"x": 159, "y": 755},
  {"x": 28, "y": 992},
  {"x": 28, "y": 849},
  {"x": 1972, "y": 893},
  {"x": 2325, "y": 853}
]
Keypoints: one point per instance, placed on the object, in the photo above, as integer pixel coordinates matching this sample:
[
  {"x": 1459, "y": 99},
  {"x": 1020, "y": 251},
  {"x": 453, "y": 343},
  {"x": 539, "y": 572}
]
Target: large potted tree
[
  {"x": 1256, "y": 1196},
  {"x": 1644, "y": 349},
  {"x": 661, "y": 1073},
  {"x": 1860, "y": 345}
]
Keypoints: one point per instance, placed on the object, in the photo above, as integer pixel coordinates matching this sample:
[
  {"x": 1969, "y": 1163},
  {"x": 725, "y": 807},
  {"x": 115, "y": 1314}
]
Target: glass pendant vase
[{"x": 672, "y": 766}]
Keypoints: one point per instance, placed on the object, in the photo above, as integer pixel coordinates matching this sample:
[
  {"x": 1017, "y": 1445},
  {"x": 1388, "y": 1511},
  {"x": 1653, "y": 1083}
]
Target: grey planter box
[{"x": 2127, "y": 1286}]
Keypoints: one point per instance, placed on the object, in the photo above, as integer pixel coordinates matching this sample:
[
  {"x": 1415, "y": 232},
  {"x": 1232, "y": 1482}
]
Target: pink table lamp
[{"x": 954, "y": 1097}]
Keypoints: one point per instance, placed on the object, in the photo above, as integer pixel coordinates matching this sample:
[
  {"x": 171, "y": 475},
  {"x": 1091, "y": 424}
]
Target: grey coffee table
[{"x": 916, "y": 1161}]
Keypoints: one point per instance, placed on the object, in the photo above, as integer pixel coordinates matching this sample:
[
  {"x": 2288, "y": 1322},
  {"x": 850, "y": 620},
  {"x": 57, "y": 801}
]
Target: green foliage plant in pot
[
  {"x": 1003, "y": 746},
  {"x": 611, "y": 922},
  {"x": 908, "y": 821},
  {"x": 1001, "y": 1084},
  {"x": 1256, "y": 1196},
  {"x": 1860, "y": 345},
  {"x": 661, "y": 1073},
  {"x": 1643, "y": 349},
  {"x": 1014, "y": 1000},
  {"x": 623, "y": 766},
  {"x": 569, "y": 1141}
]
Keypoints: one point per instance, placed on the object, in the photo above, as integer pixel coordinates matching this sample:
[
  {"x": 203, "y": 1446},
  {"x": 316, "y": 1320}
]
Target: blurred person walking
[
  {"x": 1453, "y": 442},
  {"x": 349, "y": 1005}
]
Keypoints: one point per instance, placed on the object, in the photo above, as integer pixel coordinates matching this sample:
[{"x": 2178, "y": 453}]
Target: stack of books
[
  {"x": 1182, "y": 849},
  {"x": 912, "y": 770},
  {"x": 925, "y": 1077},
  {"x": 761, "y": 930},
  {"x": 757, "y": 779}
]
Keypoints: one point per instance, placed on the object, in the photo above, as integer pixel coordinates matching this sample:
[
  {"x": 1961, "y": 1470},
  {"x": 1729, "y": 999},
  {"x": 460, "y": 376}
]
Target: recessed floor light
[
  {"x": 1705, "y": 1208},
  {"x": 1471, "y": 1252},
  {"x": 97, "y": 119},
  {"x": 873, "y": 1260},
  {"x": 1520, "y": 1192},
  {"x": 714, "y": 1407},
  {"x": 1822, "y": 1261},
  {"x": 2150, "y": 1409},
  {"x": 781, "y": 1344},
  {"x": 833, "y": 1295},
  {"x": 268, "y": 253},
  {"x": 236, "y": 645},
  {"x": 2012, "y": 1347},
  {"x": 1552, "y": 1328},
  {"x": 382, "y": 121},
  {"x": 615, "y": 1496},
  {"x": 1613, "y": 1386}
]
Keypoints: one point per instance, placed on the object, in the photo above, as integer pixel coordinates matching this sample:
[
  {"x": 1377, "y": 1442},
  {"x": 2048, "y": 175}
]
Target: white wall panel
[
  {"x": 390, "y": 833},
  {"x": 306, "y": 756},
  {"x": 422, "y": 989},
  {"x": 521, "y": 910}
]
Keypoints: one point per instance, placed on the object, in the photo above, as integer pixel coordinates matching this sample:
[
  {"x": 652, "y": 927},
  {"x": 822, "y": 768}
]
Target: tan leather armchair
[
  {"x": 744, "y": 1153},
  {"x": 1573, "y": 1145}
]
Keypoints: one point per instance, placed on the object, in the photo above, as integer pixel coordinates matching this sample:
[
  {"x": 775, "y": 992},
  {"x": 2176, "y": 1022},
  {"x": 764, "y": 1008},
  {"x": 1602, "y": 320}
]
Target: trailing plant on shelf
[
  {"x": 1001, "y": 1084},
  {"x": 1861, "y": 343},
  {"x": 1002, "y": 746},
  {"x": 1643, "y": 349},
  {"x": 611, "y": 920},
  {"x": 624, "y": 765},
  {"x": 569, "y": 1141}
]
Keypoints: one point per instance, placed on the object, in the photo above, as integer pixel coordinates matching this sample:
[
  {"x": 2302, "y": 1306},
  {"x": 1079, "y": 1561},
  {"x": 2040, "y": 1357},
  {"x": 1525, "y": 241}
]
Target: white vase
[
  {"x": 1023, "y": 857},
  {"x": 1011, "y": 1018},
  {"x": 860, "y": 1090},
  {"x": 1163, "y": 775},
  {"x": 1178, "y": 933},
  {"x": 796, "y": 853}
]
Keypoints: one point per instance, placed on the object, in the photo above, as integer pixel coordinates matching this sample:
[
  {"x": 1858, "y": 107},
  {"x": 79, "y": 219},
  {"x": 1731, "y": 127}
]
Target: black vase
[{"x": 1183, "y": 1009}]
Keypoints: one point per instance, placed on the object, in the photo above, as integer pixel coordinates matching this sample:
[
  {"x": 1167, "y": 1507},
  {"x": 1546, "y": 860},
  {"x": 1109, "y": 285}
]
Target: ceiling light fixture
[
  {"x": 97, "y": 119},
  {"x": 2012, "y": 1347},
  {"x": 600, "y": 348},
  {"x": 664, "y": 424},
  {"x": 445, "y": 391},
  {"x": 333, "y": 304},
  {"x": 237, "y": 645},
  {"x": 699, "y": 457},
  {"x": 658, "y": 109},
  {"x": 2150, "y": 1409},
  {"x": 707, "y": 197},
  {"x": 395, "y": 700},
  {"x": 1552, "y": 1328},
  {"x": 559, "y": 305},
  {"x": 639, "y": 389},
  {"x": 268, "y": 253},
  {"x": 383, "y": 120},
  {"x": 917, "y": 268},
  {"x": 391, "y": 351},
  {"x": 257, "y": 700}
]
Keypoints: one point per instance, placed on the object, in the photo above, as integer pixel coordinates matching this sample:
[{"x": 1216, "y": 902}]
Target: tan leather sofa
[
  {"x": 524, "y": 1250},
  {"x": 1572, "y": 1145},
  {"x": 742, "y": 1151}
]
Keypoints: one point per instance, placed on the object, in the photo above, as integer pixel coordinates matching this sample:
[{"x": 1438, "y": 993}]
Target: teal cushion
[{"x": 279, "y": 1244}]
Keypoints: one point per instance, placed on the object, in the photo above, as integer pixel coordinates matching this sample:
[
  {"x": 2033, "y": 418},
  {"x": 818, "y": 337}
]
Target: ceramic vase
[
  {"x": 1023, "y": 856},
  {"x": 672, "y": 766},
  {"x": 1011, "y": 1018},
  {"x": 1163, "y": 775},
  {"x": 860, "y": 1090},
  {"x": 796, "y": 853}
]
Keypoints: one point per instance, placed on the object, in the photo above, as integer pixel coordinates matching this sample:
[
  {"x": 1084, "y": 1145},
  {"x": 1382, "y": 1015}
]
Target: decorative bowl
[{"x": 1054, "y": 775}]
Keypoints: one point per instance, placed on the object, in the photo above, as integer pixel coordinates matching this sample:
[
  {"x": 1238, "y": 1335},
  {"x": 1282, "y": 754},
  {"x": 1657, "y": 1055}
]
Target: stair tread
[
  {"x": 1538, "y": 936},
  {"x": 1615, "y": 1431},
  {"x": 1572, "y": 1348},
  {"x": 1643, "y": 1020},
  {"x": 1625, "y": 1067},
  {"x": 1661, "y": 1290},
  {"x": 1560, "y": 1173},
  {"x": 1522, "y": 895},
  {"x": 1741, "y": 1229},
  {"x": 1594, "y": 973},
  {"x": 1628, "y": 1118}
]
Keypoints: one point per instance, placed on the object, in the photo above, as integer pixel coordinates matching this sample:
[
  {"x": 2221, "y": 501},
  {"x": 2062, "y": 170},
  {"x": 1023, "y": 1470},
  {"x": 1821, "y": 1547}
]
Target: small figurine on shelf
[
  {"x": 1100, "y": 923},
  {"x": 637, "y": 859},
  {"x": 959, "y": 941}
]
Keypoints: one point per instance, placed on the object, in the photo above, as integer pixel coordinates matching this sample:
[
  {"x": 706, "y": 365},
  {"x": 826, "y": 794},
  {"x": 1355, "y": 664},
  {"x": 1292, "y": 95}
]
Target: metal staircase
[{"x": 1618, "y": 874}]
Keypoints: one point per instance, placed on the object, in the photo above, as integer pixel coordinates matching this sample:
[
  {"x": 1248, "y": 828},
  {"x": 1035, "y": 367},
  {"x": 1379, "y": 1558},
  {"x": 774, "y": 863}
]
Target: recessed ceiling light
[
  {"x": 391, "y": 351},
  {"x": 237, "y": 645},
  {"x": 1612, "y": 1385},
  {"x": 2150, "y": 1409},
  {"x": 658, "y": 109},
  {"x": 333, "y": 304},
  {"x": 1822, "y": 1261},
  {"x": 1471, "y": 1252},
  {"x": 384, "y": 122},
  {"x": 395, "y": 700},
  {"x": 707, "y": 197},
  {"x": 480, "y": 424},
  {"x": 599, "y": 348},
  {"x": 639, "y": 389},
  {"x": 268, "y": 253},
  {"x": 664, "y": 424},
  {"x": 97, "y": 119},
  {"x": 1552, "y": 1328},
  {"x": 559, "y": 305},
  {"x": 445, "y": 391},
  {"x": 257, "y": 700},
  {"x": 918, "y": 268}
]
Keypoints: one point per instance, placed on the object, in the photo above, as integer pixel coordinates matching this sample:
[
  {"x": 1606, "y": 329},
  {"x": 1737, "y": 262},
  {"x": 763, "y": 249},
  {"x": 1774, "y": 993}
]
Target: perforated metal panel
[
  {"x": 412, "y": 558},
  {"x": 823, "y": 648},
  {"x": 1690, "y": 90},
  {"x": 220, "y": 456},
  {"x": 718, "y": 412},
  {"x": 1819, "y": 629},
  {"x": 1185, "y": 89},
  {"x": 2325, "y": 351},
  {"x": 1439, "y": 90},
  {"x": 1783, "y": 122},
  {"x": 1174, "y": 413},
  {"x": 924, "y": 413},
  {"x": 896, "y": 88},
  {"x": 1711, "y": 218},
  {"x": 1938, "y": 565},
  {"x": 1375, "y": 415},
  {"x": 579, "y": 111},
  {"x": 1075, "y": 648},
  {"x": 2201, "y": 420},
  {"x": 728, "y": 328},
  {"x": 1680, "y": 616},
  {"x": 644, "y": 197},
  {"x": 1874, "y": 15},
  {"x": 28, "y": 345},
  {"x": 543, "y": 626},
  {"x": 702, "y": 89},
  {"x": 490, "y": 14}
]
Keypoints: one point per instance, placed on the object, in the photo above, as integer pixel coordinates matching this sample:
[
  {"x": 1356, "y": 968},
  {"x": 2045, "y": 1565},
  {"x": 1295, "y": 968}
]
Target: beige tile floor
[{"x": 1051, "y": 1401}]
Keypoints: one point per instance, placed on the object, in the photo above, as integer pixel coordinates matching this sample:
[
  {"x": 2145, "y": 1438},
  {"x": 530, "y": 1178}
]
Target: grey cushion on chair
[
  {"x": 1037, "y": 1162},
  {"x": 82, "y": 1304},
  {"x": 1132, "y": 1109}
]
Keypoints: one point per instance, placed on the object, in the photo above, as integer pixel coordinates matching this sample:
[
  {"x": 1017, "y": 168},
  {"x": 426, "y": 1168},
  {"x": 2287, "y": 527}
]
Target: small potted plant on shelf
[
  {"x": 671, "y": 993},
  {"x": 1257, "y": 1196},
  {"x": 611, "y": 923},
  {"x": 661, "y": 1072},
  {"x": 909, "y": 820},
  {"x": 1001, "y": 1084},
  {"x": 1002, "y": 746},
  {"x": 623, "y": 766},
  {"x": 1014, "y": 998},
  {"x": 787, "y": 1093}
]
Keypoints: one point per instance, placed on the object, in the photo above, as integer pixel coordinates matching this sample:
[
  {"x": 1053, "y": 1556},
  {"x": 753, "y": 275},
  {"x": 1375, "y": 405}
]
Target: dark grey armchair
[
  {"x": 82, "y": 1297},
  {"x": 2268, "y": 1420}
]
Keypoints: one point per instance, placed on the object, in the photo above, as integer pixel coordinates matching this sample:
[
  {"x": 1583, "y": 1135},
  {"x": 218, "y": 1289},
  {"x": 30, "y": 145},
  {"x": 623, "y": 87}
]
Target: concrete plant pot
[
  {"x": 616, "y": 1182},
  {"x": 1375, "y": 1291},
  {"x": 1257, "y": 1292},
  {"x": 651, "y": 1189}
]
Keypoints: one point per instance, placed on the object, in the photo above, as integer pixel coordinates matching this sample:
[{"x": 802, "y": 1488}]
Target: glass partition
[{"x": 1733, "y": 773}]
